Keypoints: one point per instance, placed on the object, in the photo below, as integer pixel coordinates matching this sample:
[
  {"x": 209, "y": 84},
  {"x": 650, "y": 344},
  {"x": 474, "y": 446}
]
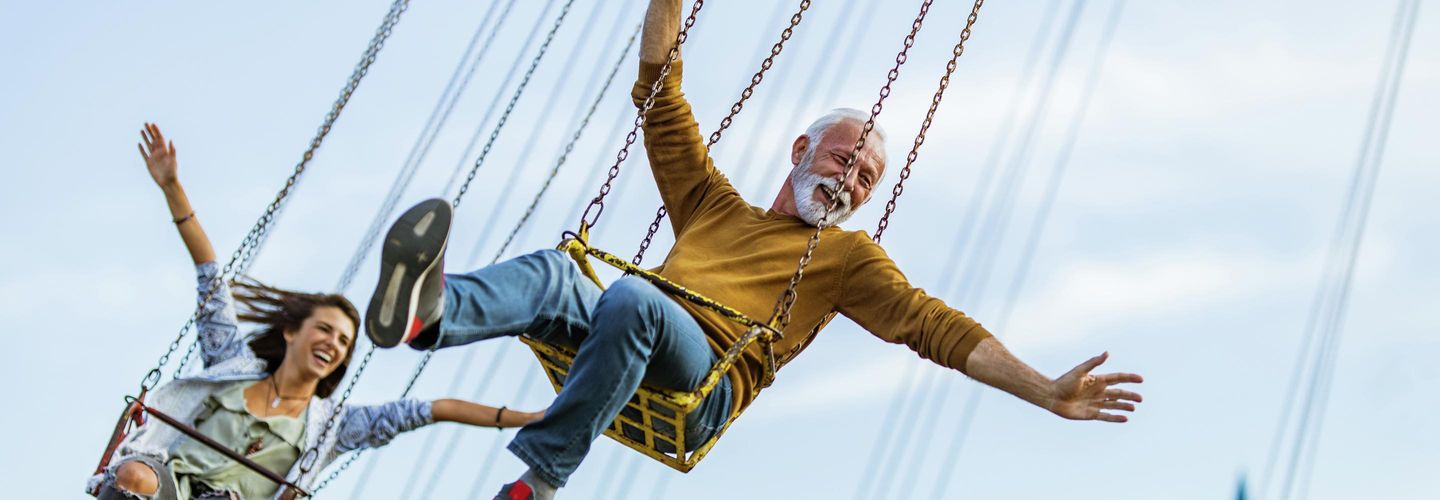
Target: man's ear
[{"x": 797, "y": 150}]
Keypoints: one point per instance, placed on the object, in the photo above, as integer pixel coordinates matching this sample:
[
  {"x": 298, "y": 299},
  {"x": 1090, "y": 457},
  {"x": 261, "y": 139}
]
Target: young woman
[{"x": 266, "y": 395}]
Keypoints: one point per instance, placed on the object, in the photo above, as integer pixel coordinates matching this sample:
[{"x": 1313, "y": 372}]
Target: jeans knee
[{"x": 629, "y": 305}]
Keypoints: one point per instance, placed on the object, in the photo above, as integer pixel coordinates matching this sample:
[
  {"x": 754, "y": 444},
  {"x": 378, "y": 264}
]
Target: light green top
[{"x": 226, "y": 420}]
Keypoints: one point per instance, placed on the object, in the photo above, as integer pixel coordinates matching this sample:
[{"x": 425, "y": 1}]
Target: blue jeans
[{"x": 628, "y": 334}]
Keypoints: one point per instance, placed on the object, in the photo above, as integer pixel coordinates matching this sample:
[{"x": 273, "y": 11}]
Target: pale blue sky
[{"x": 1187, "y": 238}]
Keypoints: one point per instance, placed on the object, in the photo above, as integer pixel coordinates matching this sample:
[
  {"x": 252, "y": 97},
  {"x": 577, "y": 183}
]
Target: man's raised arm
[
  {"x": 678, "y": 156},
  {"x": 662, "y": 23}
]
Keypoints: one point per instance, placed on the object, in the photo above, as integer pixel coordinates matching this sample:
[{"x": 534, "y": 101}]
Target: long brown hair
[{"x": 277, "y": 310}]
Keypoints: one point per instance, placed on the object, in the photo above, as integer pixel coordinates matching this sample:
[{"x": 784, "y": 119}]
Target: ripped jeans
[
  {"x": 165, "y": 489},
  {"x": 628, "y": 334}
]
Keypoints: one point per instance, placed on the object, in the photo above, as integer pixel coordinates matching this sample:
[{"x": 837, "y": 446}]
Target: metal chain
[
  {"x": 564, "y": 156},
  {"x": 569, "y": 147},
  {"x": 312, "y": 455},
  {"x": 313, "y": 452},
  {"x": 246, "y": 252},
  {"x": 598, "y": 203},
  {"x": 459, "y": 82},
  {"x": 734, "y": 110},
  {"x": 781, "y": 317},
  {"x": 958, "y": 51},
  {"x": 510, "y": 107}
]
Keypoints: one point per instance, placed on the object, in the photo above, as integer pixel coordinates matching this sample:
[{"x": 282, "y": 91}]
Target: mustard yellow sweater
[{"x": 743, "y": 256}]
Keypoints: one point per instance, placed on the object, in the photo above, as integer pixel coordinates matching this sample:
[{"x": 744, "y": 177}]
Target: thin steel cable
[
  {"x": 541, "y": 127},
  {"x": 488, "y": 464},
  {"x": 735, "y": 109},
  {"x": 623, "y": 491},
  {"x": 443, "y": 461},
  {"x": 580, "y": 128},
  {"x": 1325, "y": 289},
  {"x": 249, "y": 246},
  {"x": 455, "y": 203},
  {"x": 494, "y": 105},
  {"x": 1360, "y": 197},
  {"x": 1037, "y": 228},
  {"x": 440, "y": 115},
  {"x": 888, "y": 451},
  {"x": 992, "y": 232},
  {"x": 837, "y": 78}
]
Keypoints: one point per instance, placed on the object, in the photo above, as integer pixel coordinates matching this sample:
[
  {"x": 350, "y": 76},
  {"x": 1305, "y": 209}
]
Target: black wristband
[
  {"x": 185, "y": 218},
  {"x": 499, "y": 413}
]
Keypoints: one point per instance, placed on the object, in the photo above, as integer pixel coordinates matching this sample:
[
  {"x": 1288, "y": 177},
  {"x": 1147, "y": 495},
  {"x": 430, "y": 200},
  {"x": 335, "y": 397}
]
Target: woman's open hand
[{"x": 159, "y": 156}]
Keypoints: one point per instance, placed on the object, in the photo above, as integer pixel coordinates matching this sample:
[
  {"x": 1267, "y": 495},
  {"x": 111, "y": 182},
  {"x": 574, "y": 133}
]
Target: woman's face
[{"x": 322, "y": 342}]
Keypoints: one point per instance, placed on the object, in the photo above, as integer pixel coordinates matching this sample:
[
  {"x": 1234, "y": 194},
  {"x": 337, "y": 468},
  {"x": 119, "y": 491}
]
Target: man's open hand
[{"x": 1082, "y": 396}]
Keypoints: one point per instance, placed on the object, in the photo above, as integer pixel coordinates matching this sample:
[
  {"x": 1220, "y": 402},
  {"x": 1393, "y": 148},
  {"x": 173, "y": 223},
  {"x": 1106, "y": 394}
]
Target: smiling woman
[{"x": 263, "y": 398}]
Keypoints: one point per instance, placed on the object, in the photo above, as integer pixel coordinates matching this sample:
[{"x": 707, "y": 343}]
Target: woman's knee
[{"x": 137, "y": 477}]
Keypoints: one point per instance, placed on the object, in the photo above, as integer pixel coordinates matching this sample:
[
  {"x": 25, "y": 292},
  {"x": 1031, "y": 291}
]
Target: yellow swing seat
[{"x": 653, "y": 421}]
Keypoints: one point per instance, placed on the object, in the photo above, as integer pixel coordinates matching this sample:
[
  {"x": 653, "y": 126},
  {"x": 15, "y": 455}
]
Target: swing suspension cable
[
  {"x": 914, "y": 153},
  {"x": 597, "y": 204},
  {"x": 1326, "y": 316},
  {"x": 746, "y": 166},
  {"x": 909, "y": 399},
  {"x": 452, "y": 444},
  {"x": 459, "y": 82},
  {"x": 241, "y": 258},
  {"x": 580, "y": 128},
  {"x": 730, "y": 117},
  {"x": 514, "y": 70},
  {"x": 992, "y": 231},
  {"x": 1037, "y": 228},
  {"x": 307, "y": 462},
  {"x": 540, "y": 128},
  {"x": 780, "y": 319}
]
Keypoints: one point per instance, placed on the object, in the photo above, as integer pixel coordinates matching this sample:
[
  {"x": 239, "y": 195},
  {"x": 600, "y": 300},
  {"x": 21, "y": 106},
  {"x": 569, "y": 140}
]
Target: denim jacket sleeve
[
  {"x": 374, "y": 426},
  {"x": 217, "y": 326}
]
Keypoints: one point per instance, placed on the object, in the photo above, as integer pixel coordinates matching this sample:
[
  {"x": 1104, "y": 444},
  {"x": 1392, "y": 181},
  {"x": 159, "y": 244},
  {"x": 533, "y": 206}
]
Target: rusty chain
[
  {"x": 598, "y": 203},
  {"x": 781, "y": 317},
  {"x": 734, "y": 110},
  {"x": 240, "y": 260},
  {"x": 955, "y": 54},
  {"x": 312, "y": 453}
]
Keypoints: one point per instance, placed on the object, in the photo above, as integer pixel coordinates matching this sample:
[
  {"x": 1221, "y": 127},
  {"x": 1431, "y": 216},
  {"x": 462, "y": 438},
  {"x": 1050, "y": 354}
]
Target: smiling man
[{"x": 726, "y": 248}]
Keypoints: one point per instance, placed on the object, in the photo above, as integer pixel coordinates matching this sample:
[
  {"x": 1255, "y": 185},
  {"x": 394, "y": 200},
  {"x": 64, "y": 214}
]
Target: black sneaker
[{"x": 410, "y": 294}]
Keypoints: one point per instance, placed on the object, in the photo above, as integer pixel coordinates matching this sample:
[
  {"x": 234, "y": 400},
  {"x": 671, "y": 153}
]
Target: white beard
[{"x": 804, "y": 182}]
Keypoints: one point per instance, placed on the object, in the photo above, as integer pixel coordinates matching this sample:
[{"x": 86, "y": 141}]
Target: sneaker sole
[{"x": 412, "y": 249}]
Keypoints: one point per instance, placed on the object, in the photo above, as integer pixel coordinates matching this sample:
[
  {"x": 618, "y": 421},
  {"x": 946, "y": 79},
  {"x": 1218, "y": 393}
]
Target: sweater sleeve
[
  {"x": 217, "y": 327},
  {"x": 374, "y": 426},
  {"x": 681, "y": 163},
  {"x": 877, "y": 296}
]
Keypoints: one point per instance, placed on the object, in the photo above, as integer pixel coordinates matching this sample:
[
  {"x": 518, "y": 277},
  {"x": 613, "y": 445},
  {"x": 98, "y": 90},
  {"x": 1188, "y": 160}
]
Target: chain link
[
  {"x": 510, "y": 107},
  {"x": 313, "y": 452},
  {"x": 598, "y": 203},
  {"x": 569, "y": 147},
  {"x": 781, "y": 317},
  {"x": 955, "y": 54},
  {"x": 242, "y": 257},
  {"x": 745, "y": 94}
]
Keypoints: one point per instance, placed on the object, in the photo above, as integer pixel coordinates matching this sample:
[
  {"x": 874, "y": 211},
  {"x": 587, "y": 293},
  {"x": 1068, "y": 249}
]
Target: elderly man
[{"x": 737, "y": 253}]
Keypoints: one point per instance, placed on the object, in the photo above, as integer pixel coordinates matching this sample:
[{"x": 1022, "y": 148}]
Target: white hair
[{"x": 817, "y": 129}]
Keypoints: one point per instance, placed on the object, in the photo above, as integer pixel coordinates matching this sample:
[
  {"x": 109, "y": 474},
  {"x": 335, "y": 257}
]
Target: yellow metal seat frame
[{"x": 653, "y": 421}]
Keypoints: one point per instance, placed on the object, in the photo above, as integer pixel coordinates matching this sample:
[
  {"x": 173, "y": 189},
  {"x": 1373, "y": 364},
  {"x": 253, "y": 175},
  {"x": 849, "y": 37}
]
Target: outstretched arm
[
  {"x": 465, "y": 412},
  {"x": 159, "y": 156},
  {"x": 1076, "y": 395}
]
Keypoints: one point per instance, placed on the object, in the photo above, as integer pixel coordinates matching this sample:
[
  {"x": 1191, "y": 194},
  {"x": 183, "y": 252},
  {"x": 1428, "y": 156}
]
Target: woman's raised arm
[{"x": 159, "y": 156}]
